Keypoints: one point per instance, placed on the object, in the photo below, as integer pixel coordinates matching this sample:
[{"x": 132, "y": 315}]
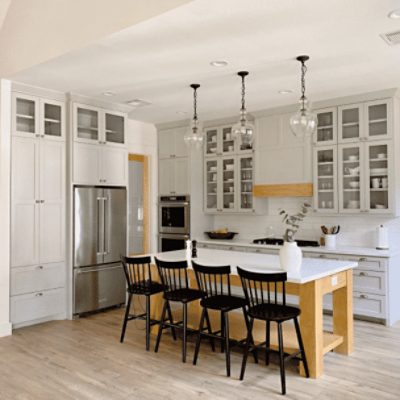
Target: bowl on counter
[{"x": 220, "y": 235}]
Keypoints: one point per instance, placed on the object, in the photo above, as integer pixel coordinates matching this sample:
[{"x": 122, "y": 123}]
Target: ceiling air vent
[{"x": 391, "y": 38}]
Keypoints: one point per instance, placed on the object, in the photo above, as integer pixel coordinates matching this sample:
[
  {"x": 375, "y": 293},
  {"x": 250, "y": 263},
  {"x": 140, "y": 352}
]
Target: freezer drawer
[{"x": 99, "y": 287}]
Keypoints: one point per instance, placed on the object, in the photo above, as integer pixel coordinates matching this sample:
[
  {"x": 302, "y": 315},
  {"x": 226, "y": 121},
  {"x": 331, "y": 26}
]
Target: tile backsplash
[{"x": 355, "y": 230}]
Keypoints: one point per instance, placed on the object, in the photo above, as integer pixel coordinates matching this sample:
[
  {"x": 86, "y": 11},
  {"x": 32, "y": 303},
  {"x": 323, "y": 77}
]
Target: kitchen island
[{"x": 316, "y": 278}]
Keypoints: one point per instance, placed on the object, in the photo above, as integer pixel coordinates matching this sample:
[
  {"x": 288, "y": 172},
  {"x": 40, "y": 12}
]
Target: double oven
[{"x": 173, "y": 222}]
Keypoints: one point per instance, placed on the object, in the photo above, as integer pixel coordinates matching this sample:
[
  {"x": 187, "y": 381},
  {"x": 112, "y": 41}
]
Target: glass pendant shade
[
  {"x": 244, "y": 130},
  {"x": 194, "y": 136},
  {"x": 304, "y": 122}
]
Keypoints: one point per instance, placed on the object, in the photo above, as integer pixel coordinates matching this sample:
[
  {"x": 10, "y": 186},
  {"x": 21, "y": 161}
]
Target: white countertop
[
  {"x": 311, "y": 269},
  {"x": 349, "y": 250}
]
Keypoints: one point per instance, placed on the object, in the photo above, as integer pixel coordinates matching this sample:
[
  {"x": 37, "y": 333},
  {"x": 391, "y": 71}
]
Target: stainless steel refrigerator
[{"x": 99, "y": 241}]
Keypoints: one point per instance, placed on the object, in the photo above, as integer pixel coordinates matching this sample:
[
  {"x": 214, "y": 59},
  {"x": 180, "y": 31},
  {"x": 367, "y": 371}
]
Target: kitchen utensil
[{"x": 324, "y": 229}]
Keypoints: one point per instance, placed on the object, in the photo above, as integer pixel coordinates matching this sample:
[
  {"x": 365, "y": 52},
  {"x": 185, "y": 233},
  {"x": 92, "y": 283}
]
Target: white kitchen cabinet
[
  {"x": 94, "y": 164},
  {"x": 379, "y": 119},
  {"x": 351, "y": 123},
  {"x": 325, "y": 179},
  {"x": 173, "y": 176},
  {"x": 171, "y": 143},
  {"x": 326, "y": 133},
  {"x": 245, "y": 177},
  {"x": 212, "y": 168},
  {"x": 94, "y": 125},
  {"x": 38, "y": 117}
]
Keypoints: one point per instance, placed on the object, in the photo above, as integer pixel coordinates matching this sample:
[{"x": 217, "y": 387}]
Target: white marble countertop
[
  {"x": 349, "y": 250},
  {"x": 311, "y": 269}
]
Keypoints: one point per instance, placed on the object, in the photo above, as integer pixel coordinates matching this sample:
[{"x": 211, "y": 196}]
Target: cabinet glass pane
[
  {"x": 326, "y": 187},
  {"x": 88, "y": 124},
  {"x": 351, "y": 178},
  {"x": 246, "y": 183},
  {"x": 211, "y": 171},
  {"x": 228, "y": 144},
  {"x": 211, "y": 141},
  {"x": 377, "y": 120},
  {"x": 52, "y": 120},
  {"x": 350, "y": 123},
  {"x": 228, "y": 178},
  {"x": 325, "y": 126},
  {"x": 378, "y": 177},
  {"x": 25, "y": 115},
  {"x": 115, "y": 128}
]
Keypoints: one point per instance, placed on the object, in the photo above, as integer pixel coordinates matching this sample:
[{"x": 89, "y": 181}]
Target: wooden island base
[{"x": 317, "y": 342}]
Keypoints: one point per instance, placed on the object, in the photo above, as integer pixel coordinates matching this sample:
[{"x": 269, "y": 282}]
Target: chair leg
[
  {"x": 171, "y": 320},
  {"x": 227, "y": 348},
  {"x": 246, "y": 320},
  {"x": 127, "y": 310},
  {"x": 209, "y": 330},
  {"x": 303, "y": 353},
  {"x": 147, "y": 323},
  {"x": 267, "y": 341},
  {"x": 161, "y": 326},
  {"x": 246, "y": 350},
  {"x": 184, "y": 332},
  {"x": 198, "y": 340},
  {"x": 281, "y": 359},
  {"x": 222, "y": 331}
]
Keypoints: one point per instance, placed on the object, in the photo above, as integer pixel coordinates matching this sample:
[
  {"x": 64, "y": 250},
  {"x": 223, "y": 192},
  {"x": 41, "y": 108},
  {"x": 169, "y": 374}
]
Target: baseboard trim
[{"x": 5, "y": 329}]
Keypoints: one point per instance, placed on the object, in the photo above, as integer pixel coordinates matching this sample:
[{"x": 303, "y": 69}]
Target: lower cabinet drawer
[
  {"x": 36, "y": 278},
  {"x": 370, "y": 305},
  {"x": 28, "y": 307},
  {"x": 369, "y": 282}
]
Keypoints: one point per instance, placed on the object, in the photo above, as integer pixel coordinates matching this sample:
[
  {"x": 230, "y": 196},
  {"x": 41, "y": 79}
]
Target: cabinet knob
[
  {"x": 42, "y": 201},
  {"x": 39, "y": 267},
  {"x": 39, "y": 294},
  {"x": 37, "y": 201}
]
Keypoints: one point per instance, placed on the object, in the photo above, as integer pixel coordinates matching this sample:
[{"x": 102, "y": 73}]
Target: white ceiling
[{"x": 157, "y": 59}]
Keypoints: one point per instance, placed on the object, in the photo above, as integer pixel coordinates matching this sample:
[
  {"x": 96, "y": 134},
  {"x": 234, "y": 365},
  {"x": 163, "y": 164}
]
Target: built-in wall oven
[{"x": 173, "y": 222}]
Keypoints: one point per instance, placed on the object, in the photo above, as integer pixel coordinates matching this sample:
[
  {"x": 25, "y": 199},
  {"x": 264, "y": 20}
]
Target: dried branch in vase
[{"x": 293, "y": 221}]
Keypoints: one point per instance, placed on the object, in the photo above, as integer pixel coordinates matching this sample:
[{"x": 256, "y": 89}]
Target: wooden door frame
[{"x": 146, "y": 195}]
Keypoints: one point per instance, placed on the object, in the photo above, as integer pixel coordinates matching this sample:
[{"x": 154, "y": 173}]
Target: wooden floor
[{"x": 83, "y": 359}]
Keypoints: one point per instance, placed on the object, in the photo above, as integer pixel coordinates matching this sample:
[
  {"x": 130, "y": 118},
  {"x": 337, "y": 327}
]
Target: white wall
[
  {"x": 5, "y": 157},
  {"x": 142, "y": 139}
]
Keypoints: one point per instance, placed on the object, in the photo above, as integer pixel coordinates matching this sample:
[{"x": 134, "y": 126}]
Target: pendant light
[
  {"x": 243, "y": 129},
  {"x": 304, "y": 122},
  {"x": 194, "y": 137}
]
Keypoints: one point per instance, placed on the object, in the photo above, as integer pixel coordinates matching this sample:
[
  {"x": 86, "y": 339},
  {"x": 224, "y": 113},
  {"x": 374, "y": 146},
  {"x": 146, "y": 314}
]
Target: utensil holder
[{"x": 330, "y": 241}]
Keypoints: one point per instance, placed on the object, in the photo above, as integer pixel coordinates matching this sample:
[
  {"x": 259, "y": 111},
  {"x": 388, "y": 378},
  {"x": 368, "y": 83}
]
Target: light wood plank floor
[{"x": 83, "y": 359}]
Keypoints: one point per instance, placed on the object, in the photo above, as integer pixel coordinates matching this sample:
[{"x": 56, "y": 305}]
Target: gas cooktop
[{"x": 279, "y": 242}]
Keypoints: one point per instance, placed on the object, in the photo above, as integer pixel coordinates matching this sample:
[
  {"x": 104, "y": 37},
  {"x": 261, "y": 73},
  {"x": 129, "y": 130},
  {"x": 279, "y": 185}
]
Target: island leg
[
  {"x": 311, "y": 326},
  {"x": 343, "y": 315}
]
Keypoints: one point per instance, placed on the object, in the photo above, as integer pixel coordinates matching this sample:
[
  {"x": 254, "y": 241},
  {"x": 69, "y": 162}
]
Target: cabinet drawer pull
[
  {"x": 363, "y": 296},
  {"x": 363, "y": 274},
  {"x": 362, "y": 259},
  {"x": 230, "y": 248},
  {"x": 39, "y": 267},
  {"x": 38, "y": 294},
  {"x": 258, "y": 250},
  {"x": 322, "y": 256}
]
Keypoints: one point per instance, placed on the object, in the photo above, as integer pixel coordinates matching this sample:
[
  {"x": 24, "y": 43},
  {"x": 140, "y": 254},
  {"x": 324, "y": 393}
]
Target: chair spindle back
[{"x": 213, "y": 281}]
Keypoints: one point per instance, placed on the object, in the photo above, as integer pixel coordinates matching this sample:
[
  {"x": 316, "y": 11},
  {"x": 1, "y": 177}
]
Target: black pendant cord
[
  {"x": 303, "y": 98},
  {"x": 243, "y": 75},
  {"x": 194, "y": 86}
]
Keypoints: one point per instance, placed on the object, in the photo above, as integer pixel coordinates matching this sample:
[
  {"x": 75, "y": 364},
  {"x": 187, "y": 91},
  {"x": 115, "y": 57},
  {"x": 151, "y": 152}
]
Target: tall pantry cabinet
[{"x": 37, "y": 209}]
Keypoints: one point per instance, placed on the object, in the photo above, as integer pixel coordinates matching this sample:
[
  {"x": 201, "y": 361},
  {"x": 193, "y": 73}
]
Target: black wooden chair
[
  {"x": 174, "y": 278},
  {"x": 261, "y": 291},
  {"x": 139, "y": 282},
  {"x": 214, "y": 283}
]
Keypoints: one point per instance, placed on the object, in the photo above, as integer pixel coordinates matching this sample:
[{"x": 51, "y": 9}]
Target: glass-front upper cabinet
[
  {"x": 326, "y": 133},
  {"x": 350, "y": 126},
  {"x": 351, "y": 184},
  {"x": 211, "y": 142},
  {"x": 25, "y": 115},
  {"x": 228, "y": 184},
  {"x": 246, "y": 174},
  {"x": 227, "y": 140},
  {"x": 114, "y": 128},
  {"x": 379, "y": 119},
  {"x": 378, "y": 179},
  {"x": 325, "y": 179},
  {"x": 87, "y": 123},
  {"x": 211, "y": 184},
  {"x": 52, "y": 119}
]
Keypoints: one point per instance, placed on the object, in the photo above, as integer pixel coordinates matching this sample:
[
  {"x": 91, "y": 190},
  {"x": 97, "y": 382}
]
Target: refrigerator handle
[
  {"x": 100, "y": 226},
  {"x": 106, "y": 246}
]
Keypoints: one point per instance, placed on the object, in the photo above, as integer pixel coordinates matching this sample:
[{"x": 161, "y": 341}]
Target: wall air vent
[{"x": 391, "y": 38}]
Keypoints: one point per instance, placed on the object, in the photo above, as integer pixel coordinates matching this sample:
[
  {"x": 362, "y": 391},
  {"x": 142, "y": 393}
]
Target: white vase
[{"x": 290, "y": 257}]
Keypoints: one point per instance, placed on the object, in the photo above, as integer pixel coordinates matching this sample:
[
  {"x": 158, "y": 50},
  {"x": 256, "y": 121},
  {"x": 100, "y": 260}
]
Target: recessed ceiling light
[
  {"x": 395, "y": 14},
  {"x": 219, "y": 63},
  {"x": 109, "y": 93},
  {"x": 138, "y": 103},
  {"x": 181, "y": 112},
  {"x": 285, "y": 91}
]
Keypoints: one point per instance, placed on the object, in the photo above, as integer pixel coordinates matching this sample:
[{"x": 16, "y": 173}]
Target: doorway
[{"x": 138, "y": 204}]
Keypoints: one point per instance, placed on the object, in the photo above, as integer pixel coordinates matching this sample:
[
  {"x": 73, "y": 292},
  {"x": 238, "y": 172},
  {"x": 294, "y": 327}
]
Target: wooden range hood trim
[{"x": 284, "y": 190}]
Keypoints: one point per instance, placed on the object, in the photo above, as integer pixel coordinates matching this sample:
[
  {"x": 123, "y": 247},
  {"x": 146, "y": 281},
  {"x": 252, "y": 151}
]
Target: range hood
[{"x": 284, "y": 190}]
